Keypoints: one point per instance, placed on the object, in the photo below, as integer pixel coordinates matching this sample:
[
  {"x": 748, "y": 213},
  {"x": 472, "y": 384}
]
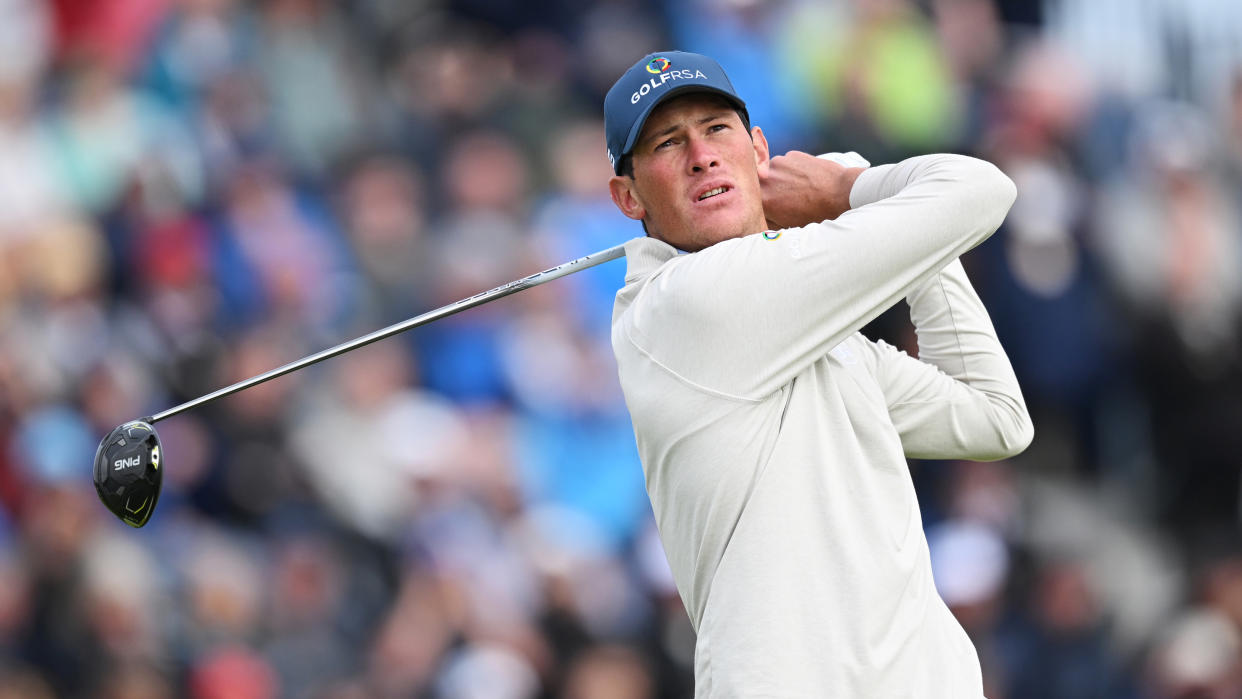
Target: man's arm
[
  {"x": 960, "y": 399},
  {"x": 745, "y": 316}
]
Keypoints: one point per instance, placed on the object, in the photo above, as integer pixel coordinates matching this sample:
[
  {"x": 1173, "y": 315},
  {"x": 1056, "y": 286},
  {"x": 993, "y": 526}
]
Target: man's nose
[{"x": 703, "y": 155}]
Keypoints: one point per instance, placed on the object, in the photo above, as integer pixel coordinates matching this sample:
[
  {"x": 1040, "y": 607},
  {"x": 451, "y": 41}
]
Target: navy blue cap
[{"x": 655, "y": 78}]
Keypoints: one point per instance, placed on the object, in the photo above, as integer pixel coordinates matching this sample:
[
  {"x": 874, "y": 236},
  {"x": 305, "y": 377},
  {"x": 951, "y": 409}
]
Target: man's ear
[
  {"x": 760, "y": 143},
  {"x": 622, "y": 190}
]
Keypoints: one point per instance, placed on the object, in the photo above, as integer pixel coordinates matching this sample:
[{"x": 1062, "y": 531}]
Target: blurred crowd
[{"x": 196, "y": 191}]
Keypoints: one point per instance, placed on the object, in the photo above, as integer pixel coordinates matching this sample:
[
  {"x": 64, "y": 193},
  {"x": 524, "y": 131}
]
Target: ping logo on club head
[
  {"x": 658, "y": 65},
  {"x": 127, "y": 462},
  {"x": 155, "y": 456}
]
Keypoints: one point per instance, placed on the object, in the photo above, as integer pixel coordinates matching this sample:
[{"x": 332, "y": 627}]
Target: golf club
[{"x": 129, "y": 463}]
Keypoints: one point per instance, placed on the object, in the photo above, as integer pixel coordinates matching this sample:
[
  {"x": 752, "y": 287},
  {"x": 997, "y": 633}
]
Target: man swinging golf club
[{"x": 773, "y": 435}]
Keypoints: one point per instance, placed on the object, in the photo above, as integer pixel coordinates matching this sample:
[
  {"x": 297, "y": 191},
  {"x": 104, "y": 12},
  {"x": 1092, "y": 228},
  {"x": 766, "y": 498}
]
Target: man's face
[{"x": 696, "y": 174}]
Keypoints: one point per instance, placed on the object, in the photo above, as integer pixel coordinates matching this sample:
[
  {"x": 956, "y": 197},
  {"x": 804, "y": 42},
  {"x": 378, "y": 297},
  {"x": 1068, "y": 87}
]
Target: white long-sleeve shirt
[{"x": 773, "y": 435}]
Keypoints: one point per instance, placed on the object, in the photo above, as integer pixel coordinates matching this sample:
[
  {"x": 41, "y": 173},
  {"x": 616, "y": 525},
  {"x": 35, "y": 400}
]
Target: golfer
[{"x": 773, "y": 435}]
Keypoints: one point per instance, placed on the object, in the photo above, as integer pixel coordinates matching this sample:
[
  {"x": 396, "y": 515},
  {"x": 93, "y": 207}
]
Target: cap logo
[
  {"x": 665, "y": 77},
  {"x": 651, "y": 80}
]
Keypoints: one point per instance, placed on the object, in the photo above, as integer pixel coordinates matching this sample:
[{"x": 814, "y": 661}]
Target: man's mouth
[{"x": 712, "y": 192}]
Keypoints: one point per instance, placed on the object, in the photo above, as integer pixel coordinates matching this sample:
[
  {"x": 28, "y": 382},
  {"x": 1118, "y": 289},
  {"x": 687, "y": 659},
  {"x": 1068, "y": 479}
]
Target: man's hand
[{"x": 800, "y": 189}]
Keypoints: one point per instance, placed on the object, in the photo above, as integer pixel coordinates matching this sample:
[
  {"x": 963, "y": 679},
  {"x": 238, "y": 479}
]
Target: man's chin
[
  {"x": 707, "y": 234},
  {"x": 708, "y": 240},
  {"x": 720, "y": 227}
]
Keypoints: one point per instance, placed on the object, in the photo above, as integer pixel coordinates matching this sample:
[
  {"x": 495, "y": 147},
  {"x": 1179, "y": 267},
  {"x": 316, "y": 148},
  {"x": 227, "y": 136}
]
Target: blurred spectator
[
  {"x": 135, "y": 681},
  {"x": 578, "y": 218},
  {"x": 1168, "y": 233},
  {"x": 280, "y": 257},
  {"x": 1200, "y": 653},
  {"x": 253, "y": 472},
  {"x": 113, "y": 32},
  {"x": 608, "y": 673},
  {"x": 479, "y": 244},
  {"x": 233, "y": 673},
  {"x": 105, "y": 132},
  {"x": 1044, "y": 285},
  {"x": 384, "y": 212},
  {"x": 198, "y": 42},
  {"x": 27, "y": 31},
  {"x": 119, "y": 598},
  {"x": 872, "y": 69},
  {"x": 197, "y": 191},
  {"x": 1186, "y": 50},
  {"x": 410, "y": 643},
  {"x": 305, "y": 647},
  {"x": 30, "y": 195},
  {"x": 539, "y": 99},
  {"x": 445, "y": 82},
  {"x": 368, "y": 440},
  {"x": 556, "y": 354},
  {"x": 1061, "y": 649},
  {"x": 481, "y": 672},
  {"x": 306, "y": 58},
  {"x": 970, "y": 564},
  {"x": 609, "y": 36},
  {"x": 24, "y": 683},
  {"x": 1198, "y": 657},
  {"x": 224, "y": 596}
]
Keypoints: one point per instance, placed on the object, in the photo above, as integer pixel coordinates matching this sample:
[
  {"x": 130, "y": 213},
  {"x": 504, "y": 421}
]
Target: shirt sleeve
[
  {"x": 960, "y": 399},
  {"x": 743, "y": 317}
]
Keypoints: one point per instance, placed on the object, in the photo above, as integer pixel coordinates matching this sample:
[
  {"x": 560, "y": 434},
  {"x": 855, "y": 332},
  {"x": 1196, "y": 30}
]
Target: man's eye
[
  {"x": 717, "y": 127},
  {"x": 669, "y": 142}
]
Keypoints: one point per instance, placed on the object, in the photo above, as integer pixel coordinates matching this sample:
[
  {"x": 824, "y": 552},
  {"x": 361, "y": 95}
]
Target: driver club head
[{"x": 128, "y": 472}]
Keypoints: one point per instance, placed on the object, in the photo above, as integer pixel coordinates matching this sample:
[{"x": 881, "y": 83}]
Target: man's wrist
[
  {"x": 854, "y": 164},
  {"x": 849, "y": 178}
]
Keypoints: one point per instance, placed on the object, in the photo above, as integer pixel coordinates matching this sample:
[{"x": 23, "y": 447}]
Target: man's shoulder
[{"x": 645, "y": 256}]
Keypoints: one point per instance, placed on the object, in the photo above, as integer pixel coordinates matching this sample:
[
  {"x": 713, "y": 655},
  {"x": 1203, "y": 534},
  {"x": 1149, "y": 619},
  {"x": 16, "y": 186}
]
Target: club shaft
[{"x": 444, "y": 311}]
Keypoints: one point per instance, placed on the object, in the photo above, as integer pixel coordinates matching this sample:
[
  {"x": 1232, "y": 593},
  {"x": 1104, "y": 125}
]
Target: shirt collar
[{"x": 643, "y": 256}]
